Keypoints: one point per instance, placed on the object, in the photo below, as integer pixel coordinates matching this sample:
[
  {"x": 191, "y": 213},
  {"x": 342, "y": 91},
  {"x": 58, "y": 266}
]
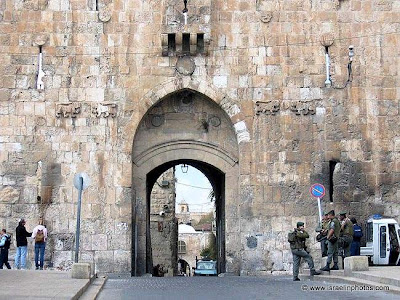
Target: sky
[{"x": 197, "y": 198}]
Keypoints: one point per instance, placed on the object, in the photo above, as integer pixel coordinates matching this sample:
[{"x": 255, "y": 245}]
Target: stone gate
[{"x": 263, "y": 96}]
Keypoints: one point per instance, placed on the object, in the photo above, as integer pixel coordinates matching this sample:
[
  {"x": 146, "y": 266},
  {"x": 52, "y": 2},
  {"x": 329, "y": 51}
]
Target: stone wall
[
  {"x": 195, "y": 243},
  {"x": 163, "y": 224},
  {"x": 263, "y": 64}
]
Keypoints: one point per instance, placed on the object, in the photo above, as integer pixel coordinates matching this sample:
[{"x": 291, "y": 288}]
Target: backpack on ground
[
  {"x": 39, "y": 238},
  {"x": 292, "y": 237}
]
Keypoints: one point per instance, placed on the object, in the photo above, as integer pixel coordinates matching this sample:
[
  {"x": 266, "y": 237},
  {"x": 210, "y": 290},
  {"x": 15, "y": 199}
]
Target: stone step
[
  {"x": 377, "y": 278},
  {"x": 94, "y": 289},
  {"x": 351, "y": 281}
]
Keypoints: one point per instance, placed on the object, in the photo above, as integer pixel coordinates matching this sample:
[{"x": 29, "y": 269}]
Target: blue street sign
[{"x": 317, "y": 190}]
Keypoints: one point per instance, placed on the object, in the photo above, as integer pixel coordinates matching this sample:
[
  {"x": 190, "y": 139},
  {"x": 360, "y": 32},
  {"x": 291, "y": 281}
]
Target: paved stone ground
[
  {"x": 28, "y": 284},
  {"x": 231, "y": 288}
]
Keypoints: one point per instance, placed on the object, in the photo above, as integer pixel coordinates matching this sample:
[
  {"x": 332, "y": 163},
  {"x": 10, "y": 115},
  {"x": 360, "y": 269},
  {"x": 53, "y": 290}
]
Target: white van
[{"x": 382, "y": 237}]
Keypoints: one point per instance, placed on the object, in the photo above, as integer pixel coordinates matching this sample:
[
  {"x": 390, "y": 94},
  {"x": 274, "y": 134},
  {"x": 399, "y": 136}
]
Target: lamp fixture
[
  {"x": 184, "y": 168},
  {"x": 185, "y": 10}
]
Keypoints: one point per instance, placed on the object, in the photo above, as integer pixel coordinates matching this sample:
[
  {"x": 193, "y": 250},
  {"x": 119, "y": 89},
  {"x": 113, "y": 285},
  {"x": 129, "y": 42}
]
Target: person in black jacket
[
  {"x": 357, "y": 234},
  {"x": 22, "y": 245}
]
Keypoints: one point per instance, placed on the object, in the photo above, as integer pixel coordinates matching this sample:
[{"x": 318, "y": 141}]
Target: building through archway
[{"x": 183, "y": 128}]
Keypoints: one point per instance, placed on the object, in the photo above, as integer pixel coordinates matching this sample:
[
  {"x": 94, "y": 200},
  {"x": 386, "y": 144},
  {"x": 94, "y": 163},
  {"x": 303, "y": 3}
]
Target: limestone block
[
  {"x": 355, "y": 263},
  {"x": 81, "y": 271},
  {"x": 103, "y": 261},
  {"x": 220, "y": 81},
  {"x": 9, "y": 195},
  {"x": 122, "y": 261},
  {"x": 99, "y": 242},
  {"x": 63, "y": 260},
  {"x": 5, "y": 210}
]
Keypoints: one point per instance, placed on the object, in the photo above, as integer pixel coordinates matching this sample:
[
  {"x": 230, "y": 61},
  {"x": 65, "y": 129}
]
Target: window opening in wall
[
  {"x": 200, "y": 43},
  {"x": 332, "y": 165},
  {"x": 171, "y": 43},
  {"x": 382, "y": 237},
  {"x": 186, "y": 43},
  {"x": 181, "y": 247}
]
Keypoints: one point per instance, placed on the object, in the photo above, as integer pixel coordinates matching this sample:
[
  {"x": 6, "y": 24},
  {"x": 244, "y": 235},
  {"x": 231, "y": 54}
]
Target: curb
[
  {"x": 94, "y": 289},
  {"x": 82, "y": 289}
]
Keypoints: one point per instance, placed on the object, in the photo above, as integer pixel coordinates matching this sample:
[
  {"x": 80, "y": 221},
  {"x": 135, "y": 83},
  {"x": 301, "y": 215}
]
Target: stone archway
[{"x": 184, "y": 127}]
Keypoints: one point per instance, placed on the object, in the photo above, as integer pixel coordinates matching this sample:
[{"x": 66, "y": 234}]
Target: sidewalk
[{"x": 29, "y": 284}]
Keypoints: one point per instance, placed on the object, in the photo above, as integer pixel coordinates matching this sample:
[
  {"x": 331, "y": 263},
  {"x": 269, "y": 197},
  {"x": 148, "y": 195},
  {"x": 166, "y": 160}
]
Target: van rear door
[{"x": 384, "y": 246}]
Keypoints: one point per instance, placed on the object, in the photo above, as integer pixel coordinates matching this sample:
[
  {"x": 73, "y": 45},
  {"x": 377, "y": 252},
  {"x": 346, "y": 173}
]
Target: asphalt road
[{"x": 232, "y": 288}]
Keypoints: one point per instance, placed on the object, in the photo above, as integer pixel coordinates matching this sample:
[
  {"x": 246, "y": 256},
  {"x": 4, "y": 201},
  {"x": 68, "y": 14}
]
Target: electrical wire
[{"x": 194, "y": 186}]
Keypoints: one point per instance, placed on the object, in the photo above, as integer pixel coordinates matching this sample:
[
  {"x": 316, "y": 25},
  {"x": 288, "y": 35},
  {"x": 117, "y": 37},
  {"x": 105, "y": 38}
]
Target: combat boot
[
  {"x": 313, "y": 272},
  {"x": 296, "y": 279},
  {"x": 326, "y": 268},
  {"x": 335, "y": 267}
]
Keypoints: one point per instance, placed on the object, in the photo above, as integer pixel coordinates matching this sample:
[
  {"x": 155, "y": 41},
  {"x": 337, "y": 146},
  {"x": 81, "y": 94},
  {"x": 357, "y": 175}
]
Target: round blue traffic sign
[{"x": 317, "y": 190}]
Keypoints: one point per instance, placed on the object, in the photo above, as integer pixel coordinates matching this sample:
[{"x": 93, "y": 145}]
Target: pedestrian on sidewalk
[
  {"x": 346, "y": 233},
  {"x": 332, "y": 237},
  {"x": 5, "y": 243},
  {"x": 22, "y": 244},
  {"x": 39, "y": 235},
  {"x": 322, "y": 230},
  {"x": 297, "y": 240},
  {"x": 357, "y": 235}
]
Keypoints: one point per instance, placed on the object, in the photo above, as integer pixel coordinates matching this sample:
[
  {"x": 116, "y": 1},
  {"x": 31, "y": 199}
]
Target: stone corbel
[
  {"x": 267, "y": 107},
  {"x": 68, "y": 110},
  {"x": 104, "y": 109}
]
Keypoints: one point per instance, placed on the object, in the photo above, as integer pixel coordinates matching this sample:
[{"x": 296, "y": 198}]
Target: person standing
[
  {"x": 332, "y": 237},
  {"x": 39, "y": 235},
  {"x": 322, "y": 229},
  {"x": 22, "y": 245},
  {"x": 297, "y": 240},
  {"x": 357, "y": 235},
  {"x": 5, "y": 243},
  {"x": 346, "y": 233}
]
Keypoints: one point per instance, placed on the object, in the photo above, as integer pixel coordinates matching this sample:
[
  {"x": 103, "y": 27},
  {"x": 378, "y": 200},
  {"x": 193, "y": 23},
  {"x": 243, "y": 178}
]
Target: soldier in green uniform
[
  {"x": 322, "y": 229},
  {"x": 299, "y": 250},
  {"x": 346, "y": 233},
  {"x": 333, "y": 234}
]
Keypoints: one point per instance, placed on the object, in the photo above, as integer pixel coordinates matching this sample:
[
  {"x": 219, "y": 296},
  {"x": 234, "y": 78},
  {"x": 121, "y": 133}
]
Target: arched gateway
[{"x": 185, "y": 127}]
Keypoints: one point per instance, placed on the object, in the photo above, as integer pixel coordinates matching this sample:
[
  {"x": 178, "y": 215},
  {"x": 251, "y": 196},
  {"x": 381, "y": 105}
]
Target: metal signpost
[
  {"x": 317, "y": 190},
  {"x": 81, "y": 182}
]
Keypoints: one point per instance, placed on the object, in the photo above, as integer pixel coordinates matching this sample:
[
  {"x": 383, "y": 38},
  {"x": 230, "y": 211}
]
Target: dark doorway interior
[{"x": 217, "y": 181}]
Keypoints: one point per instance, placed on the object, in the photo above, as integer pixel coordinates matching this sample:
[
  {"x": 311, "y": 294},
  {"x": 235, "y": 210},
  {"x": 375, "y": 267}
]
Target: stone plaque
[
  {"x": 157, "y": 120},
  {"x": 105, "y": 14},
  {"x": 266, "y": 17},
  {"x": 185, "y": 65},
  {"x": 215, "y": 121}
]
